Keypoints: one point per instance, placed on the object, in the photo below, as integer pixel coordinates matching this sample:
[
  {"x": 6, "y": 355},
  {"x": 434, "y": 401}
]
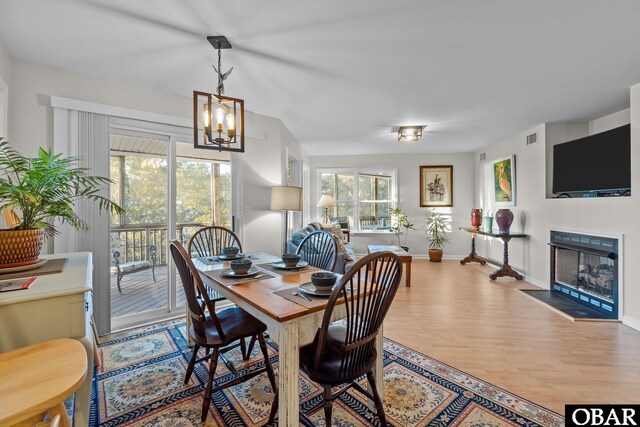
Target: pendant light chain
[{"x": 219, "y": 70}]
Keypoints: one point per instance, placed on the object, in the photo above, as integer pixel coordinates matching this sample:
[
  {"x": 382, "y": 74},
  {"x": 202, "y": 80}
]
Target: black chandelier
[{"x": 218, "y": 120}]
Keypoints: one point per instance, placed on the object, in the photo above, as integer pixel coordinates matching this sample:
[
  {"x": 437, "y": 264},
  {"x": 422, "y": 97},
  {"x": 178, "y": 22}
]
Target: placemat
[
  {"x": 52, "y": 266},
  {"x": 282, "y": 272},
  {"x": 232, "y": 281},
  {"x": 208, "y": 260},
  {"x": 315, "y": 301}
]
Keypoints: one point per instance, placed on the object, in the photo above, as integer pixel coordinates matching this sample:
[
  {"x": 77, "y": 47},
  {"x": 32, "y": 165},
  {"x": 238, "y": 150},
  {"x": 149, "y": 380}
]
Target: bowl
[
  {"x": 230, "y": 252},
  {"x": 323, "y": 280},
  {"x": 240, "y": 266},
  {"x": 290, "y": 260}
]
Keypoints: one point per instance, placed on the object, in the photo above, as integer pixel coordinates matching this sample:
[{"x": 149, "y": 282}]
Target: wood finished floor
[{"x": 489, "y": 329}]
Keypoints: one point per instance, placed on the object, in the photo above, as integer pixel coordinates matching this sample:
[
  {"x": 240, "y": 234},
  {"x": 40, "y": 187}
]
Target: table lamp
[
  {"x": 286, "y": 199},
  {"x": 326, "y": 202}
]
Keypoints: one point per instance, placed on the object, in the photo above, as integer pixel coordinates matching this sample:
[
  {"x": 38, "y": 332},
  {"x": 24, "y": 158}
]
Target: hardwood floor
[{"x": 489, "y": 329}]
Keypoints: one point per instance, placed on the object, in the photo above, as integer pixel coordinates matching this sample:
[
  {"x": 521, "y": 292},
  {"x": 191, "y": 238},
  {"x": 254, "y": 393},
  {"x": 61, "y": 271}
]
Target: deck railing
[{"x": 133, "y": 240}]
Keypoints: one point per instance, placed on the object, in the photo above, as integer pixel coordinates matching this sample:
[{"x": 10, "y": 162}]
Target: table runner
[{"x": 315, "y": 301}]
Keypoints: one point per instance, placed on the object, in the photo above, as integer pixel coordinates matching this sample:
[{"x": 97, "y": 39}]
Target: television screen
[{"x": 600, "y": 162}]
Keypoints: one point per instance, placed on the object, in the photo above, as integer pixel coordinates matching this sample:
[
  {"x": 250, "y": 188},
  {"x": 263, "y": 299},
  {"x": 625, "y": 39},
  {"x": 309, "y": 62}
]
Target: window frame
[{"x": 391, "y": 172}]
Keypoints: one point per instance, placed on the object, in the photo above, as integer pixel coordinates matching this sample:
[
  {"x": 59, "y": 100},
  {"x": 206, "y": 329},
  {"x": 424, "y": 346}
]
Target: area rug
[{"x": 141, "y": 384}]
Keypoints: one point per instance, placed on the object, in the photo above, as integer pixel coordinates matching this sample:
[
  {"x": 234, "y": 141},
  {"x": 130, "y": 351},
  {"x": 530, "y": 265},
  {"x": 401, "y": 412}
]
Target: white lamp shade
[
  {"x": 326, "y": 202},
  {"x": 286, "y": 198}
]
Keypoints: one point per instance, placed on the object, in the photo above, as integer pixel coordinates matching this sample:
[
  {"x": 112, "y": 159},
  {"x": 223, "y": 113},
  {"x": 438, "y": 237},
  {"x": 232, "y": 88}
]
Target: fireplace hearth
[{"x": 584, "y": 268}]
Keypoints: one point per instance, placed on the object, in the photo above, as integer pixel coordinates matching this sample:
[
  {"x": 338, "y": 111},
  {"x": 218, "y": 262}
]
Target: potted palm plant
[
  {"x": 400, "y": 222},
  {"x": 41, "y": 190},
  {"x": 436, "y": 235}
]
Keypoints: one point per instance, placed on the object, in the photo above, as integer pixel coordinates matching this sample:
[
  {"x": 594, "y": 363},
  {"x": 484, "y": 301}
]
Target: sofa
[{"x": 342, "y": 264}]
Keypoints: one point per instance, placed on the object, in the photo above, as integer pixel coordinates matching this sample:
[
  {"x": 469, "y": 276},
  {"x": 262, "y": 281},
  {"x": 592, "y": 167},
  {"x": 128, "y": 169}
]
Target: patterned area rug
[{"x": 141, "y": 384}]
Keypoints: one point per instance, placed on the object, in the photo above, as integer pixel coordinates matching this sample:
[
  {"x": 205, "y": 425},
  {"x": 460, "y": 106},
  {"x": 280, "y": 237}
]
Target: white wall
[
  {"x": 535, "y": 214},
  {"x": 408, "y": 167},
  {"x": 264, "y": 166}
]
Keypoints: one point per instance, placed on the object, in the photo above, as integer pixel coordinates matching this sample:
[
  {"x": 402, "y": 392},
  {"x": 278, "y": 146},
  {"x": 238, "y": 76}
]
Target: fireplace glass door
[{"x": 590, "y": 273}]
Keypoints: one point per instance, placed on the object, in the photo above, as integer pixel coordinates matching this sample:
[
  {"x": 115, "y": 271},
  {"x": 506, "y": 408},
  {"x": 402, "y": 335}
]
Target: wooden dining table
[{"x": 291, "y": 320}]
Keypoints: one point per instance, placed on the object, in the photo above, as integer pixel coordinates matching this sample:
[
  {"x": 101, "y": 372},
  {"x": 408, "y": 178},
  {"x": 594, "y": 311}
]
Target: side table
[
  {"x": 404, "y": 257},
  {"x": 505, "y": 270}
]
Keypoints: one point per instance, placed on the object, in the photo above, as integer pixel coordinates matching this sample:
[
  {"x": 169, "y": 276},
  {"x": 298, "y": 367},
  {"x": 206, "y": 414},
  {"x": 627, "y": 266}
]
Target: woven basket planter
[{"x": 20, "y": 247}]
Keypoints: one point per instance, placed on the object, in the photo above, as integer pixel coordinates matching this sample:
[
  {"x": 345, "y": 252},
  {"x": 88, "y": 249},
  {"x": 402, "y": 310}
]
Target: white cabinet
[{"x": 55, "y": 306}]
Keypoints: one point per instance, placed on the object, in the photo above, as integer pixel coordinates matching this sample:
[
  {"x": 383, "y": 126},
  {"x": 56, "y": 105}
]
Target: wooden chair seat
[{"x": 237, "y": 324}]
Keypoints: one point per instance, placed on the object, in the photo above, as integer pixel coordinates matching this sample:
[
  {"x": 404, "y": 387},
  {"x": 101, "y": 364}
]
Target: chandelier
[{"x": 218, "y": 120}]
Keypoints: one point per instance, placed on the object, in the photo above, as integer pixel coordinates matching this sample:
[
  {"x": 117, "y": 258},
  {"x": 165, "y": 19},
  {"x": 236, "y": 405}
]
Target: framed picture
[
  {"x": 504, "y": 181},
  {"x": 436, "y": 186}
]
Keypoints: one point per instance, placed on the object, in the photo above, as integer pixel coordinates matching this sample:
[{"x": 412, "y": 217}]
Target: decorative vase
[
  {"x": 504, "y": 218},
  {"x": 476, "y": 218},
  {"x": 488, "y": 224},
  {"x": 20, "y": 247}
]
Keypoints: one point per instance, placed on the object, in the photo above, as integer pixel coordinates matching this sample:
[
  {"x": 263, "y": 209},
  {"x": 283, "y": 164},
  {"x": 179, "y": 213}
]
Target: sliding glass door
[{"x": 169, "y": 190}]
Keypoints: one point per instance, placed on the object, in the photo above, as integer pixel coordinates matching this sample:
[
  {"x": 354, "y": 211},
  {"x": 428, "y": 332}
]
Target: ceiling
[{"x": 342, "y": 74}]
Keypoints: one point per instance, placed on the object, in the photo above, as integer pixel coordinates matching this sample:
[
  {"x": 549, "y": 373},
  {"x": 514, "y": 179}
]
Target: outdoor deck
[{"x": 140, "y": 293}]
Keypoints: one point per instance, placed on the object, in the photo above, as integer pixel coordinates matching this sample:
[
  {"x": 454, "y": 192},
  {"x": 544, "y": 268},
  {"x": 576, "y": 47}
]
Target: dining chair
[
  {"x": 319, "y": 249},
  {"x": 218, "y": 332},
  {"x": 209, "y": 241},
  {"x": 344, "y": 351}
]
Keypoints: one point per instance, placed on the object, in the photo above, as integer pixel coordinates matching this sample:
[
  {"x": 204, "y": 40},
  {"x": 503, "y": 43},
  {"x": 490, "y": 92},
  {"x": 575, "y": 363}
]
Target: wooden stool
[{"x": 36, "y": 380}]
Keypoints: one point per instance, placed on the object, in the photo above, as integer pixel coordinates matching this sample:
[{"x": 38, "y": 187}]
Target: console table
[
  {"x": 506, "y": 269},
  {"x": 55, "y": 306}
]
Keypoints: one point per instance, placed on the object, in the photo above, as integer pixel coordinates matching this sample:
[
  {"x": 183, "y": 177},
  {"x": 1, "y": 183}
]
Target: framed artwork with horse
[
  {"x": 504, "y": 181},
  {"x": 436, "y": 186}
]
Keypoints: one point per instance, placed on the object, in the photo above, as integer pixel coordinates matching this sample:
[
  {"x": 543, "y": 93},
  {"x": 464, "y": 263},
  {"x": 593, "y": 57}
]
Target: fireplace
[{"x": 584, "y": 268}]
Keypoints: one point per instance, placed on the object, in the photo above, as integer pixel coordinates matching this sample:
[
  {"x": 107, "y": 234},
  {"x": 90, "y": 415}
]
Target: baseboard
[
  {"x": 631, "y": 322},
  {"x": 539, "y": 283}
]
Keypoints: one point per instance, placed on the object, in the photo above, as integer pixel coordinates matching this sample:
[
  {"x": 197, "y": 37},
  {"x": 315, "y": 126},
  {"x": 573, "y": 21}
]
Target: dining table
[{"x": 272, "y": 296}]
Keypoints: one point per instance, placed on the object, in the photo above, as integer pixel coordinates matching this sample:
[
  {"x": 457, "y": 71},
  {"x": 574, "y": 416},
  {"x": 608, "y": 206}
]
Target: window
[{"x": 364, "y": 196}]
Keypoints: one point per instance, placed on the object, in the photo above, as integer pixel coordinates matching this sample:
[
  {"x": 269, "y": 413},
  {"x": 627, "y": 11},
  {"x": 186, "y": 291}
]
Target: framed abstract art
[
  {"x": 436, "y": 186},
  {"x": 504, "y": 181}
]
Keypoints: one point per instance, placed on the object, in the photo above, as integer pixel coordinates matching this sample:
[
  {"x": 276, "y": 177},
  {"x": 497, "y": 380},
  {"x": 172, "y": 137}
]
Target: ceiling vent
[
  {"x": 531, "y": 139},
  {"x": 483, "y": 156}
]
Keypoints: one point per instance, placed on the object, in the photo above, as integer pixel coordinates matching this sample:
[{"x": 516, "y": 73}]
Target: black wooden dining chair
[
  {"x": 342, "y": 352},
  {"x": 219, "y": 331},
  {"x": 208, "y": 242},
  {"x": 319, "y": 249}
]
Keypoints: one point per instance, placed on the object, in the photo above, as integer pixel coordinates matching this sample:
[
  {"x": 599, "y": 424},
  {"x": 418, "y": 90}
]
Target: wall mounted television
[{"x": 596, "y": 163}]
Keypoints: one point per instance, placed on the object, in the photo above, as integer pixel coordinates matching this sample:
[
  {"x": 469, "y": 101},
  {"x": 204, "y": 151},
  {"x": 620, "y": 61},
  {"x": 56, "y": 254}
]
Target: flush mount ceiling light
[
  {"x": 410, "y": 133},
  {"x": 218, "y": 120}
]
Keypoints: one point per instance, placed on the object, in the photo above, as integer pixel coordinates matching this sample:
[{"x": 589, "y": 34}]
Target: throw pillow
[{"x": 336, "y": 231}]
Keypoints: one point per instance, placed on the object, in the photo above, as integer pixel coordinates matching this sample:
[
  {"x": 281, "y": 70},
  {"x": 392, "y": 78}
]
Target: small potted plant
[
  {"x": 41, "y": 189},
  {"x": 400, "y": 222},
  {"x": 436, "y": 235}
]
